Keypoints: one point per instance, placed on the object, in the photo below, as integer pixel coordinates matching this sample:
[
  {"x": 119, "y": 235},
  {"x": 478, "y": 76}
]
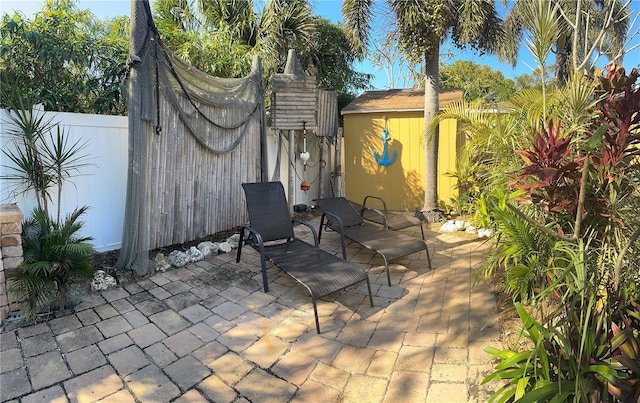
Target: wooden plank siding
[
  {"x": 294, "y": 101},
  {"x": 449, "y": 146},
  {"x": 327, "y": 113},
  {"x": 401, "y": 183},
  {"x": 398, "y": 182}
]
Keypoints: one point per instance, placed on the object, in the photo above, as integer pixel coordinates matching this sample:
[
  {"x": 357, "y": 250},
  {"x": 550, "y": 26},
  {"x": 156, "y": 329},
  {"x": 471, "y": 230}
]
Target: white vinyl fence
[{"x": 102, "y": 185}]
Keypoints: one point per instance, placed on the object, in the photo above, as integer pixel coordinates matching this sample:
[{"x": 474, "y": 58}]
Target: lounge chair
[
  {"x": 388, "y": 219},
  {"x": 270, "y": 232},
  {"x": 340, "y": 216}
]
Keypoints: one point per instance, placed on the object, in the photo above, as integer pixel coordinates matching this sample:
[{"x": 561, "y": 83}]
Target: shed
[{"x": 384, "y": 147}]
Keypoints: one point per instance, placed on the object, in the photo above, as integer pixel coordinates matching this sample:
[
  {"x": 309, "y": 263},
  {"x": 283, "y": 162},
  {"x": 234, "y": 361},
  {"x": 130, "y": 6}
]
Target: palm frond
[
  {"x": 29, "y": 288},
  {"x": 477, "y": 24},
  {"x": 530, "y": 104},
  {"x": 357, "y": 20},
  {"x": 574, "y": 103},
  {"x": 512, "y": 32}
]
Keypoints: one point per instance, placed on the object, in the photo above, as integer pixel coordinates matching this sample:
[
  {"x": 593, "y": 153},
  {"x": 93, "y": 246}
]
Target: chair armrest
[
  {"x": 257, "y": 236},
  {"x": 383, "y": 217},
  {"x": 313, "y": 231},
  {"x": 330, "y": 218},
  {"x": 384, "y": 205}
]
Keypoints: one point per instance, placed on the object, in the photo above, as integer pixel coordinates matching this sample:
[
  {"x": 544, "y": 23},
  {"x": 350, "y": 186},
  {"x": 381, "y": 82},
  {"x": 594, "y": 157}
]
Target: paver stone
[
  {"x": 259, "y": 386},
  {"x": 54, "y": 394},
  {"x": 163, "y": 389},
  {"x": 216, "y": 390},
  {"x": 94, "y": 385},
  {"x": 128, "y": 360},
  {"x": 186, "y": 372},
  {"x": 14, "y": 384},
  {"x": 47, "y": 369}
]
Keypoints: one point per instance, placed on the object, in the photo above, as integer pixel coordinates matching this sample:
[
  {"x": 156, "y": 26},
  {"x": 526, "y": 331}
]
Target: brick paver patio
[{"x": 207, "y": 332}]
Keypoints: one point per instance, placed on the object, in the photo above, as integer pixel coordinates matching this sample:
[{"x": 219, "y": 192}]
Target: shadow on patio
[{"x": 207, "y": 332}]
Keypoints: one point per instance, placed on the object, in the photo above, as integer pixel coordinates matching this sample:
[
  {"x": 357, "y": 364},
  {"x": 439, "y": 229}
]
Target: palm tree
[
  {"x": 55, "y": 256},
  {"x": 423, "y": 25},
  {"x": 236, "y": 27},
  {"x": 587, "y": 27}
]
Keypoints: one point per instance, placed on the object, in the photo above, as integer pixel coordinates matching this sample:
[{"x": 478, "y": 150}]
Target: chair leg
[
  {"x": 315, "y": 314},
  {"x": 240, "y": 245},
  {"x": 370, "y": 295},
  {"x": 386, "y": 267},
  {"x": 428, "y": 256},
  {"x": 320, "y": 229},
  {"x": 265, "y": 281}
]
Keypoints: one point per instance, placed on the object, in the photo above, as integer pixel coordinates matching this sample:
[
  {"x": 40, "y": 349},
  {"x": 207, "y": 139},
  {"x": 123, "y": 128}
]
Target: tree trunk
[
  {"x": 431, "y": 107},
  {"x": 563, "y": 48}
]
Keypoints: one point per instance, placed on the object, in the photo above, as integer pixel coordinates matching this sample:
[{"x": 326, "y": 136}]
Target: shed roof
[{"x": 397, "y": 100}]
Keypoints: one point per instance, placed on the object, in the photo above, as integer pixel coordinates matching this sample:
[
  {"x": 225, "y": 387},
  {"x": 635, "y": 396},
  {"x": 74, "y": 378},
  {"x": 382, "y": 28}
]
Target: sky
[{"x": 330, "y": 9}]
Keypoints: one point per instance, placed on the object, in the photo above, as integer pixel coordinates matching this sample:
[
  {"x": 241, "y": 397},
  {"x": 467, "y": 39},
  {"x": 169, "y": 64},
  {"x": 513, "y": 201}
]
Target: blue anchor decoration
[{"x": 385, "y": 160}]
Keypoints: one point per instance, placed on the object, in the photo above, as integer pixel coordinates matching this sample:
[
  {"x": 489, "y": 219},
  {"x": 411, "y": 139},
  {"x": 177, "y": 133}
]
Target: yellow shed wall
[{"x": 401, "y": 183}]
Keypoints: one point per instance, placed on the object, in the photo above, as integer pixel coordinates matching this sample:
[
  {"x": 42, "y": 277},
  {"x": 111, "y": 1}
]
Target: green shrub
[
  {"x": 55, "y": 256},
  {"x": 567, "y": 242}
]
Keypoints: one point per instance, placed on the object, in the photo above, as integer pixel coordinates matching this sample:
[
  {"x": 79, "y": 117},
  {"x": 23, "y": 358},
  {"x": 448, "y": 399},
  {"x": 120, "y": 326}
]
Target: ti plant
[
  {"x": 556, "y": 177},
  {"x": 618, "y": 109}
]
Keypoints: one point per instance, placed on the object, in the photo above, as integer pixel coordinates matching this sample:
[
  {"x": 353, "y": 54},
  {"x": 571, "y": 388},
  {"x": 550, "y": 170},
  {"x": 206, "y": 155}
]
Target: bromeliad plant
[{"x": 577, "y": 210}]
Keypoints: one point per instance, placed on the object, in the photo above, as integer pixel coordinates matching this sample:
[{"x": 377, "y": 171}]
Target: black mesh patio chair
[
  {"x": 340, "y": 216},
  {"x": 270, "y": 232},
  {"x": 388, "y": 219}
]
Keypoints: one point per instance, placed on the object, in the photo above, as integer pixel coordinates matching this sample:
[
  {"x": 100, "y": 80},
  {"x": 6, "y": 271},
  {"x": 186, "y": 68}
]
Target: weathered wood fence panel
[
  {"x": 294, "y": 101},
  {"x": 194, "y": 192}
]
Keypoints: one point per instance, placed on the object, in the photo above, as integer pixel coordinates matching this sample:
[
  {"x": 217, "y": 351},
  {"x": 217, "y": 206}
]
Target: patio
[{"x": 207, "y": 332}]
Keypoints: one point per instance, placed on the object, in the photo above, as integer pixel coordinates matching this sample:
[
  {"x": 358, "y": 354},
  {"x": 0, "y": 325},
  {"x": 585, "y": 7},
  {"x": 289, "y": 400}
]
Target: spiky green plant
[
  {"x": 55, "y": 255},
  {"x": 521, "y": 252},
  {"x": 42, "y": 156}
]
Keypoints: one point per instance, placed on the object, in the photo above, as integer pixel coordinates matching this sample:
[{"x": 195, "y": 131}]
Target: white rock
[
  {"x": 225, "y": 247},
  {"x": 194, "y": 254},
  {"x": 178, "y": 258},
  {"x": 449, "y": 226},
  {"x": 471, "y": 229},
  {"x": 102, "y": 281},
  {"x": 485, "y": 233},
  {"x": 460, "y": 225},
  {"x": 162, "y": 263},
  {"x": 208, "y": 248},
  {"x": 234, "y": 240}
]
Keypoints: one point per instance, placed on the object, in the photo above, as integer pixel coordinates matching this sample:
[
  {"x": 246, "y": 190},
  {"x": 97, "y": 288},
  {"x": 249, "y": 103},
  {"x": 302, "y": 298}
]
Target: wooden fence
[{"x": 193, "y": 191}]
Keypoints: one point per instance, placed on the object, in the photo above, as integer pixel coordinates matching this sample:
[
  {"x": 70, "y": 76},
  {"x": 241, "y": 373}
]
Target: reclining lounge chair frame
[
  {"x": 340, "y": 216},
  {"x": 388, "y": 219},
  {"x": 270, "y": 232}
]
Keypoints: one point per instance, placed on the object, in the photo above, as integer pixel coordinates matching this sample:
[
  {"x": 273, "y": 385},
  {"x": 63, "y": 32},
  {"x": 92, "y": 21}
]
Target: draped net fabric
[{"x": 219, "y": 113}]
